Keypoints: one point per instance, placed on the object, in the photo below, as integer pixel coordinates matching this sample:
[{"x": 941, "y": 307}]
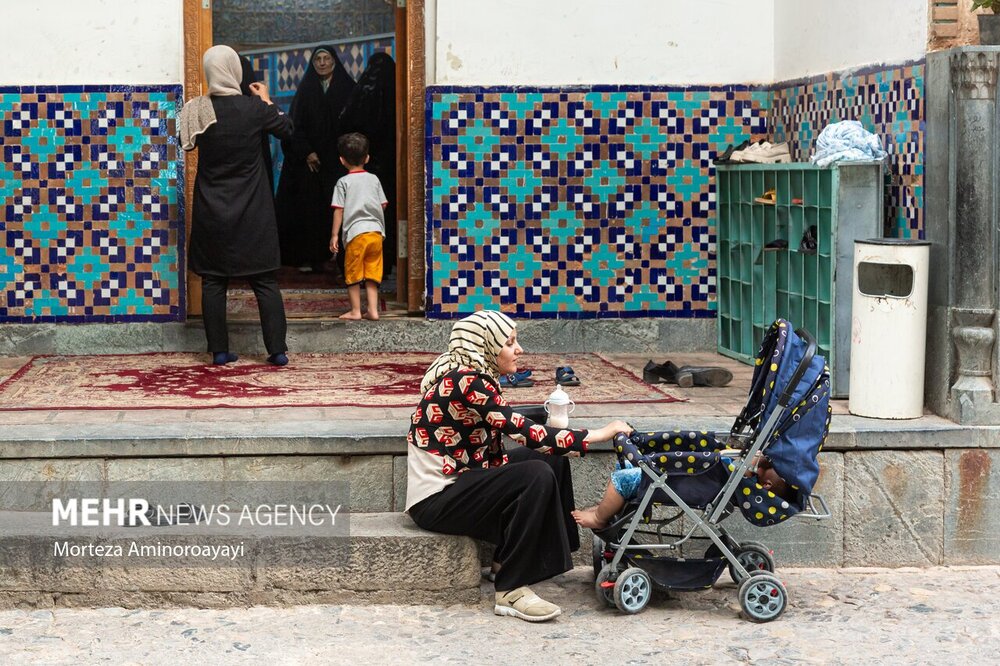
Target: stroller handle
[{"x": 786, "y": 395}]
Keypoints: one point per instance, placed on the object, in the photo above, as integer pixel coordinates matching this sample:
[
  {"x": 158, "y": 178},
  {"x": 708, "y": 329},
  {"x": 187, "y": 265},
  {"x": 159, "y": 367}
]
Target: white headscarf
[
  {"x": 475, "y": 342},
  {"x": 223, "y": 71}
]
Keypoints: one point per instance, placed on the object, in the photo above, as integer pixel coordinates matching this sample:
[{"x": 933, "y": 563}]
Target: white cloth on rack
[{"x": 846, "y": 141}]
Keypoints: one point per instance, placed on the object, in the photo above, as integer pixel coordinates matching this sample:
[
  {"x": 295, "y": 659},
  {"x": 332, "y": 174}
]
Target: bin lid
[{"x": 893, "y": 241}]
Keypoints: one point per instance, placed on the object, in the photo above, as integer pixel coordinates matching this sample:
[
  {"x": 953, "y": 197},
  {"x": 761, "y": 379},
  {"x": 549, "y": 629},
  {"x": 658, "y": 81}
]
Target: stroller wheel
[
  {"x": 605, "y": 594},
  {"x": 598, "y": 553},
  {"x": 753, "y": 556},
  {"x": 633, "y": 590},
  {"x": 763, "y": 598}
]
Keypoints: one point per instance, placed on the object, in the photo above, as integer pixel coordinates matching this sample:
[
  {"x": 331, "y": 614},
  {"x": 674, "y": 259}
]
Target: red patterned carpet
[
  {"x": 185, "y": 381},
  {"x": 241, "y": 304}
]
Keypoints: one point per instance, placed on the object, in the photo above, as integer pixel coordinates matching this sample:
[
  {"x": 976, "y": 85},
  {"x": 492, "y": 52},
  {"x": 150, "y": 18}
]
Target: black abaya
[
  {"x": 303, "y": 199},
  {"x": 233, "y": 231},
  {"x": 371, "y": 110},
  {"x": 249, "y": 76}
]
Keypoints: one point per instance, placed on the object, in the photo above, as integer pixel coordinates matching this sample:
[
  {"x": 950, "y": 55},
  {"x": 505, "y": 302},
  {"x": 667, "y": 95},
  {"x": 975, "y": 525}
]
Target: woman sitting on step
[{"x": 461, "y": 480}]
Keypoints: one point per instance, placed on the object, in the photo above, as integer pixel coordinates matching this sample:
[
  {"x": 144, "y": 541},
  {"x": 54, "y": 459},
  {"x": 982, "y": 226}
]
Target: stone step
[
  {"x": 389, "y": 334},
  {"x": 906, "y": 493},
  {"x": 385, "y": 559}
]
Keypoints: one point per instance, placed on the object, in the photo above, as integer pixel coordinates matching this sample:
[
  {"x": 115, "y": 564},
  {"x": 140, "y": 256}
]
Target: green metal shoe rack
[{"x": 764, "y": 270}]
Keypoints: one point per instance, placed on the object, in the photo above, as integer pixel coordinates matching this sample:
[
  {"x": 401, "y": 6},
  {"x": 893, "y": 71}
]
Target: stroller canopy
[{"x": 801, "y": 431}]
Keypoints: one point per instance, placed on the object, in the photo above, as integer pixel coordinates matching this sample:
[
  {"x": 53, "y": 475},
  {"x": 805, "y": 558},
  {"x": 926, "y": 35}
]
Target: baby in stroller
[
  {"x": 765, "y": 468},
  {"x": 625, "y": 482}
]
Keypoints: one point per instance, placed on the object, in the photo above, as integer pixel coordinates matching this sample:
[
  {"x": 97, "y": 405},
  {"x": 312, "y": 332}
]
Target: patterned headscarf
[{"x": 475, "y": 343}]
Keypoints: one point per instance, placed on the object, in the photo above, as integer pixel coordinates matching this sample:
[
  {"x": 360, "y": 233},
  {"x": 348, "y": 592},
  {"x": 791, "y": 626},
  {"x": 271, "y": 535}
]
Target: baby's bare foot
[
  {"x": 350, "y": 315},
  {"x": 371, "y": 315},
  {"x": 588, "y": 518}
]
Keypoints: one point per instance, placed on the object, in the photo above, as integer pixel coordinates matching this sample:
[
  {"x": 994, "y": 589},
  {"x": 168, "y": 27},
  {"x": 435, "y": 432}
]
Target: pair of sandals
[{"x": 564, "y": 377}]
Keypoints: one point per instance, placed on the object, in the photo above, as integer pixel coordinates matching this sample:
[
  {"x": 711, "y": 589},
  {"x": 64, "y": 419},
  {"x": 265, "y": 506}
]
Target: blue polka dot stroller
[{"x": 670, "y": 535}]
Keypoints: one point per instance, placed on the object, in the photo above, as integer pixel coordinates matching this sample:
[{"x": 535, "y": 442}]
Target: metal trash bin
[{"x": 889, "y": 328}]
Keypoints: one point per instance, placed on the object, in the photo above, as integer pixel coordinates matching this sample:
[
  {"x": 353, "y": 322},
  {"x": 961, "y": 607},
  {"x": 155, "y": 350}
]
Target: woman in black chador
[
  {"x": 371, "y": 110},
  {"x": 312, "y": 165}
]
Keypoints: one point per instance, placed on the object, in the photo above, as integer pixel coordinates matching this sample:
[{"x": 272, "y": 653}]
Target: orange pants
[{"x": 363, "y": 259}]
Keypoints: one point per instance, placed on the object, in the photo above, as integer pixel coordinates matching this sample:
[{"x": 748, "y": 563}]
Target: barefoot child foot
[
  {"x": 588, "y": 518},
  {"x": 599, "y": 516},
  {"x": 371, "y": 293},
  {"x": 350, "y": 314}
]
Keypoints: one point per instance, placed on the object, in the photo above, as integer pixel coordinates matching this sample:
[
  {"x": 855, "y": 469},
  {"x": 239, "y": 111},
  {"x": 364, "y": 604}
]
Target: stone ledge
[
  {"x": 649, "y": 334},
  {"x": 387, "y": 437},
  {"x": 387, "y": 559}
]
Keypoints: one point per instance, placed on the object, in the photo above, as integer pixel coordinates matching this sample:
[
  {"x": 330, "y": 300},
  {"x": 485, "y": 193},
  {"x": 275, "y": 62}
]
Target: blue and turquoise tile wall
[
  {"x": 597, "y": 202},
  {"x": 887, "y": 101},
  {"x": 91, "y": 192}
]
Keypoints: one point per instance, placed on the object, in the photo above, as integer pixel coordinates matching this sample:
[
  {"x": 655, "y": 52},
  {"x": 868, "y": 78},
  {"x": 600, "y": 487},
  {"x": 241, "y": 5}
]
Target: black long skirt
[{"x": 523, "y": 507}]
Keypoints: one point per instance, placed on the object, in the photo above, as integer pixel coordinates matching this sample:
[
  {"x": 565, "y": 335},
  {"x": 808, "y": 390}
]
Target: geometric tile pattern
[
  {"x": 553, "y": 202},
  {"x": 90, "y": 194},
  {"x": 282, "y": 70},
  {"x": 599, "y": 202},
  {"x": 888, "y": 102}
]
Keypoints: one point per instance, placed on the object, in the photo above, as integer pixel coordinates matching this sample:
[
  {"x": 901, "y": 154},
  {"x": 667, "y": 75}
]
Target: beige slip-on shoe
[{"x": 524, "y": 604}]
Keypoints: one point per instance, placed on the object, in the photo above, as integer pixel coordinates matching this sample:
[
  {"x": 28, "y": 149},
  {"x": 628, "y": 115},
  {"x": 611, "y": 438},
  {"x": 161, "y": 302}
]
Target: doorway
[{"x": 278, "y": 44}]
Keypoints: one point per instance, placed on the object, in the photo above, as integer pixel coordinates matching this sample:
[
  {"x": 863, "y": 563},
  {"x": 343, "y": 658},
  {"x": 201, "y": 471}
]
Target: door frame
[{"x": 410, "y": 86}]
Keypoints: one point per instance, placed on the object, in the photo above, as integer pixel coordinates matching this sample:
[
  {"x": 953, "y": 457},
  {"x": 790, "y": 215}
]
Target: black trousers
[
  {"x": 523, "y": 507},
  {"x": 269, "y": 305}
]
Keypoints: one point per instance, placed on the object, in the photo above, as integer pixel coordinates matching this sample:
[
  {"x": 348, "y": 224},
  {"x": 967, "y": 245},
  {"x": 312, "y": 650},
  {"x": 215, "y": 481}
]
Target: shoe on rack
[
  {"x": 769, "y": 198},
  {"x": 777, "y": 153},
  {"x": 524, "y": 604},
  {"x": 740, "y": 156},
  {"x": 727, "y": 156},
  {"x": 808, "y": 243}
]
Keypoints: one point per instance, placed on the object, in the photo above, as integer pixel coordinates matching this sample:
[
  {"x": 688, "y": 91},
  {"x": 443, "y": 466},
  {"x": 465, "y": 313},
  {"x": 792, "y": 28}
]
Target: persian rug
[
  {"x": 188, "y": 381},
  {"x": 241, "y": 304}
]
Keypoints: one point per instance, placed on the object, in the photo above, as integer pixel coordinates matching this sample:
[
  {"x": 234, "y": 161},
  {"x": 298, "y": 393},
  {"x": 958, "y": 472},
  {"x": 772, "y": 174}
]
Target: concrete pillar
[{"x": 961, "y": 203}]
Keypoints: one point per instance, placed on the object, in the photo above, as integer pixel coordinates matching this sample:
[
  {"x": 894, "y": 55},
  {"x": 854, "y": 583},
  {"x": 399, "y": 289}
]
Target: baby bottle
[{"x": 559, "y": 406}]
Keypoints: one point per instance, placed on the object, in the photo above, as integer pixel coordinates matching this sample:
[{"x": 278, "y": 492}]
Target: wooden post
[
  {"x": 416, "y": 82},
  {"x": 197, "y": 39},
  {"x": 402, "y": 163}
]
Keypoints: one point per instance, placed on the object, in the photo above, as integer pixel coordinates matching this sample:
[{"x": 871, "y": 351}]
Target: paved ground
[{"x": 911, "y": 616}]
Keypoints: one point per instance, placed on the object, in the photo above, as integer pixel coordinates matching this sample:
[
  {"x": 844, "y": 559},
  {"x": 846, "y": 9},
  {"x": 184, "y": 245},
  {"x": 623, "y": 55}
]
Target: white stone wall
[
  {"x": 818, "y": 36},
  {"x": 484, "y": 42},
  {"x": 562, "y": 42},
  {"x": 65, "y": 42},
  {"x": 650, "y": 42}
]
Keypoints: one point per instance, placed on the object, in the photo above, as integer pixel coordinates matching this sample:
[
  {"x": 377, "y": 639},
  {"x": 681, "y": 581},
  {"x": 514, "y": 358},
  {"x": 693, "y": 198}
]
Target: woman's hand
[
  {"x": 312, "y": 161},
  {"x": 260, "y": 90},
  {"x": 608, "y": 431}
]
